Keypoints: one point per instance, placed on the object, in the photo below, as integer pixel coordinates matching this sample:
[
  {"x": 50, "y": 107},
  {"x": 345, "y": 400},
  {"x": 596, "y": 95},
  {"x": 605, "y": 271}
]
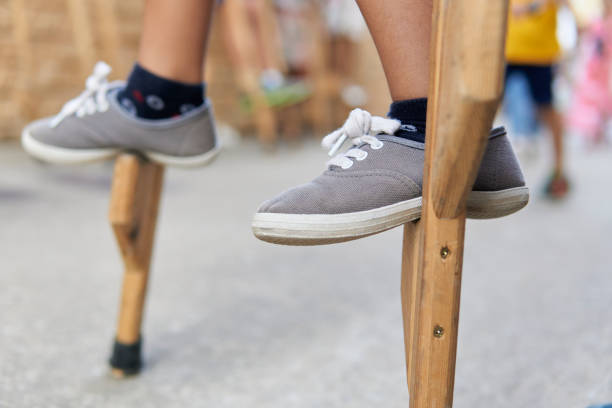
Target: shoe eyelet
[
  {"x": 378, "y": 146},
  {"x": 363, "y": 155}
]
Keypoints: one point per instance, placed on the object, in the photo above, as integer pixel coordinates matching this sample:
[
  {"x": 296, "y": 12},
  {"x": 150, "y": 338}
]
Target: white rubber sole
[
  {"x": 61, "y": 155},
  {"x": 319, "y": 229}
]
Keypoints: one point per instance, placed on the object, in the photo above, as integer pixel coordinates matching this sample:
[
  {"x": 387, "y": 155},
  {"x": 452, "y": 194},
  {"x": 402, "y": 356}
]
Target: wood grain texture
[
  {"x": 437, "y": 289},
  {"x": 409, "y": 293},
  {"x": 465, "y": 87},
  {"x": 133, "y": 212},
  {"x": 468, "y": 45}
]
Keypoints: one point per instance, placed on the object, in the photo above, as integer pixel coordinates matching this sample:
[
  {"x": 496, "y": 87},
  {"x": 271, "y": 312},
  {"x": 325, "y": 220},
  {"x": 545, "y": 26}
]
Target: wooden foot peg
[{"x": 134, "y": 204}]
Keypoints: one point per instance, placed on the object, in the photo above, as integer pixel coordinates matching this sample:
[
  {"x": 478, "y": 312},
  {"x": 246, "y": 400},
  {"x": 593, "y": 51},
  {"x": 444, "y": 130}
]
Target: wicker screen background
[{"x": 48, "y": 47}]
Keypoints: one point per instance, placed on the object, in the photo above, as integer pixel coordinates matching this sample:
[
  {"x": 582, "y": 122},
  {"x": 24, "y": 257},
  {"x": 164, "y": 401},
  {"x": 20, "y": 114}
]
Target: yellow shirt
[{"x": 532, "y": 38}]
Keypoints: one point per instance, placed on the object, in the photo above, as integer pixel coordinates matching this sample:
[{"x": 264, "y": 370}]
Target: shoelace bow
[
  {"x": 92, "y": 99},
  {"x": 360, "y": 127}
]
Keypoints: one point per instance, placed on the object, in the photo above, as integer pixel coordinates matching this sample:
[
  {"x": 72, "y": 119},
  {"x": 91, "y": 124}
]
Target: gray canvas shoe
[
  {"x": 94, "y": 127},
  {"x": 376, "y": 185}
]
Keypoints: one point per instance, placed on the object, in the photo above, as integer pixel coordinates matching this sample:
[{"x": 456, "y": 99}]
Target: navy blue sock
[
  {"x": 413, "y": 115},
  {"x": 149, "y": 96}
]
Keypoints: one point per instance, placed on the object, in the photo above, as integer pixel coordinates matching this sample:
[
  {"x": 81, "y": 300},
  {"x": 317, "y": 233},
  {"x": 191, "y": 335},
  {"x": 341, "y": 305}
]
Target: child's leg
[
  {"x": 541, "y": 82},
  {"x": 263, "y": 22},
  {"x": 557, "y": 185},
  {"x": 377, "y": 184},
  {"x": 252, "y": 43},
  {"x": 167, "y": 80},
  {"x": 159, "y": 112},
  {"x": 174, "y": 38},
  {"x": 553, "y": 120},
  {"x": 401, "y": 30}
]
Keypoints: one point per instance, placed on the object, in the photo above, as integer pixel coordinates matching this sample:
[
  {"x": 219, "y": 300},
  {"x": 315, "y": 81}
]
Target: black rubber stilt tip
[{"x": 127, "y": 357}]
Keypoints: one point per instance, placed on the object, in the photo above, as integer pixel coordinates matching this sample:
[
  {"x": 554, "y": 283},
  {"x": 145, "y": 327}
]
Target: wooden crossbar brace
[
  {"x": 134, "y": 205},
  {"x": 467, "y": 63}
]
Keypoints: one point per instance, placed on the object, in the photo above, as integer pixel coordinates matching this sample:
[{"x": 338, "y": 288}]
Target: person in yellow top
[
  {"x": 532, "y": 33},
  {"x": 532, "y": 50}
]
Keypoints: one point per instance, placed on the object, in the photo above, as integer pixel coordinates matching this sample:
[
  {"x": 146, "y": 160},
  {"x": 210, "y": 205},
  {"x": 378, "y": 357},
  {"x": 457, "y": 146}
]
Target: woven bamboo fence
[{"x": 48, "y": 47}]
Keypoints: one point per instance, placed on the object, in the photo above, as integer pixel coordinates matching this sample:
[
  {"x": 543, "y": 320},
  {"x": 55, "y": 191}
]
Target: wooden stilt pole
[
  {"x": 465, "y": 87},
  {"x": 410, "y": 263},
  {"x": 134, "y": 204}
]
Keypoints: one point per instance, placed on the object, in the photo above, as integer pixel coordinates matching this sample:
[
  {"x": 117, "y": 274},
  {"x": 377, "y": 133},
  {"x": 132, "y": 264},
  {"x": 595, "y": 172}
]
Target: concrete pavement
[{"x": 233, "y": 322}]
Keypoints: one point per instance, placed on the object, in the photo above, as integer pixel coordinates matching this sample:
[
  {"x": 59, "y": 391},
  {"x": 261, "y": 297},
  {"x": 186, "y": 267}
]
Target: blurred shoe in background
[{"x": 557, "y": 187}]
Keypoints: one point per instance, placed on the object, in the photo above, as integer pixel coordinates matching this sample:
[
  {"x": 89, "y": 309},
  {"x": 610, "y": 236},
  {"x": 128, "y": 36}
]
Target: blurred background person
[
  {"x": 253, "y": 43},
  {"x": 346, "y": 28},
  {"x": 520, "y": 112},
  {"x": 591, "y": 106},
  {"x": 532, "y": 50}
]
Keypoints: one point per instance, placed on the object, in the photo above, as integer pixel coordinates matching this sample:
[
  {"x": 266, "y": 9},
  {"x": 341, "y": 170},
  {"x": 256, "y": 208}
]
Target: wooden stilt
[
  {"x": 134, "y": 204},
  {"x": 465, "y": 87},
  {"x": 410, "y": 262}
]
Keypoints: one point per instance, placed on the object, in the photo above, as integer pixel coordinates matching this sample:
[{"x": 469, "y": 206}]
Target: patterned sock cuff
[
  {"x": 413, "y": 115},
  {"x": 150, "y": 96}
]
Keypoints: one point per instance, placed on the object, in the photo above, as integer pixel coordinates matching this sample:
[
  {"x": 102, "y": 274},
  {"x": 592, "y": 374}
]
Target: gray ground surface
[{"x": 233, "y": 322}]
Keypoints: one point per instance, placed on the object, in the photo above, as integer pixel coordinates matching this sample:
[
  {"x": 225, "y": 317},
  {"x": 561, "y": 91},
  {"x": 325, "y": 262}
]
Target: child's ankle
[
  {"x": 413, "y": 115},
  {"x": 149, "y": 96}
]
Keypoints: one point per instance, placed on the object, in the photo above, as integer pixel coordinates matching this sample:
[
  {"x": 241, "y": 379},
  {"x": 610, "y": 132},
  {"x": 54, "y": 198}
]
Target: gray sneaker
[
  {"x": 94, "y": 127},
  {"x": 376, "y": 185}
]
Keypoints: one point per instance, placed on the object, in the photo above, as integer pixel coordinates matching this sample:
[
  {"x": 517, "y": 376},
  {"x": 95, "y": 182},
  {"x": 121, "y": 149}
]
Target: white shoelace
[
  {"x": 360, "y": 127},
  {"x": 91, "y": 100}
]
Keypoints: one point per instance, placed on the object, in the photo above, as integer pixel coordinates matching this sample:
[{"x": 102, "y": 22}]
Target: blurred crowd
[{"x": 572, "y": 101}]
